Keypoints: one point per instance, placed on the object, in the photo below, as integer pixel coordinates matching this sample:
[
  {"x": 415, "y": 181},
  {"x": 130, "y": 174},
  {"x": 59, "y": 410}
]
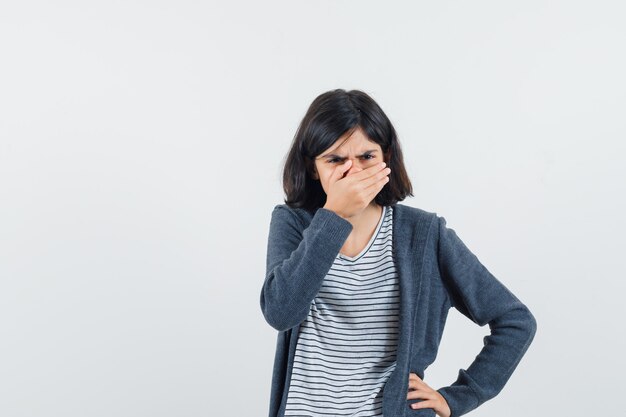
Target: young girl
[{"x": 359, "y": 286}]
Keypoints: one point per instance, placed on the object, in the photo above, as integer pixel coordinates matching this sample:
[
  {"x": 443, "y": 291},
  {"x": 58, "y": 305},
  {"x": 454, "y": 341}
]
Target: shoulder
[
  {"x": 404, "y": 214},
  {"x": 297, "y": 217},
  {"x": 414, "y": 211},
  {"x": 409, "y": 214}
]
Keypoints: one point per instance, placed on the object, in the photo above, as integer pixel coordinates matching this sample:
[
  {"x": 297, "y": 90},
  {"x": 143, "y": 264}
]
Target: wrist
[{"x": 337, "y": 212}]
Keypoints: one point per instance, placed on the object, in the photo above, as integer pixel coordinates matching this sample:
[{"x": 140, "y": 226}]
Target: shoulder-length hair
[{"x": 331, "y": 115}]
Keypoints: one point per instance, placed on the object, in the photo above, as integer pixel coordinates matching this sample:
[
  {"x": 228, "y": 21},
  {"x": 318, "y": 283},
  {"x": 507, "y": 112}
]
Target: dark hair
[{"x": 331, "y": 115}]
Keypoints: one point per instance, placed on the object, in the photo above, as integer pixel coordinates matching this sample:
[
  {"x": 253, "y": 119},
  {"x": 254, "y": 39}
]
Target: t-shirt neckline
[{"x": 370, "y": 242}]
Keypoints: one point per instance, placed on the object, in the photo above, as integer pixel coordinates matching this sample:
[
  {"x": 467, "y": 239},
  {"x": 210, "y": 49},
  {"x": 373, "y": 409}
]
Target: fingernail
[{"x": 382, "y": 164}]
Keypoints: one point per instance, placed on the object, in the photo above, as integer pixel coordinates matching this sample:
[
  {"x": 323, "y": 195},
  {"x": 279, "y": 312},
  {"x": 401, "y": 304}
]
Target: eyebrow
[{"x": 334, "y": 155}]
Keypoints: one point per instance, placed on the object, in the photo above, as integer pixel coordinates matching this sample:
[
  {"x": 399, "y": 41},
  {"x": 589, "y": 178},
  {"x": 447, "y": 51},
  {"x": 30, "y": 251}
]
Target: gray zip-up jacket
[{"x": 436, "y": 271}]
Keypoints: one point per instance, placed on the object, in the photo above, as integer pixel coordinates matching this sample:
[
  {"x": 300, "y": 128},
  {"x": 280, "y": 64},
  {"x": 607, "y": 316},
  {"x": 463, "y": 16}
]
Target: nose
[{"x": 354, "y": 168}]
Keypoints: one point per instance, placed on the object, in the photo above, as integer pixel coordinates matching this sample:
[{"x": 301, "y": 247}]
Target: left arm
[{"x": 482, "y": 298}]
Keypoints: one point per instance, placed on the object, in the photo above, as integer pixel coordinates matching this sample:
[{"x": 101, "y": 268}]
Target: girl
[{"x": 359, "y": 285}]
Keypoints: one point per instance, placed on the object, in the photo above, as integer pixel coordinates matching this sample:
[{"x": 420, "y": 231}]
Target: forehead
[{"x": 354, "y": 142}]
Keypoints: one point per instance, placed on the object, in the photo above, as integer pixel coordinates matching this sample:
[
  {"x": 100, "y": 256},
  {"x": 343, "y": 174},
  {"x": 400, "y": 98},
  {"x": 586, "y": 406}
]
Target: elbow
[
  {"x": 276, "y": 316},
  {"x": 282, "y": 305},
  {"x": 526, "y": 327},
  {"x": 277, "y": 322},
  {"x": 518, "y": 323},
  {"x": 531, "y": 325},
  {"x": 272, "y": 321},
  {"x": 268, "y": 312}
]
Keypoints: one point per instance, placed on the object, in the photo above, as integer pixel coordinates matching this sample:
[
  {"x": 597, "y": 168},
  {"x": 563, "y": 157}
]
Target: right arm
[{"x": 297, "y": 262}]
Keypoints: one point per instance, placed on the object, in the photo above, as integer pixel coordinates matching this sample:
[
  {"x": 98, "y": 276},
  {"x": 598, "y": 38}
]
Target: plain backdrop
[{"x": 141, "y": 147}]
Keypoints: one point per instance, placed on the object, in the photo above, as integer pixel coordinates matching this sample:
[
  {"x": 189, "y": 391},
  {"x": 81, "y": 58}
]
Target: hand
[
  {"x": 351, "y": 194},
  {"x": 418, "y": 389}
]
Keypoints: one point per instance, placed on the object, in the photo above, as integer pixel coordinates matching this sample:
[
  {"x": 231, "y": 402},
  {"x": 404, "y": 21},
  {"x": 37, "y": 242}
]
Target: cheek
[
  {"x": 325, "y": 177},
  {"x": 324, "y": 172},
  {"x": 372, "y": 162}
]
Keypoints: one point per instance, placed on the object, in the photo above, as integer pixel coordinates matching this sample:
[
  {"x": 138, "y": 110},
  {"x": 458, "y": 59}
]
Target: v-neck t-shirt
[{"x": 346, "y": 347}]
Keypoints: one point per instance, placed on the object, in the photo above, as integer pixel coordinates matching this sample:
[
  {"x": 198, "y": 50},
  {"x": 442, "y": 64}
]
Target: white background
[{"x": 141, "y": 147}]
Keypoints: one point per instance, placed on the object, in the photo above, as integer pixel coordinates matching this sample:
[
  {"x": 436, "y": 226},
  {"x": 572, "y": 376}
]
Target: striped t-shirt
[{"x": 346, "y": 346}]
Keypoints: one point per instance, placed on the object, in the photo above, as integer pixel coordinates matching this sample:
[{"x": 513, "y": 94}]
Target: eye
[{"x": 367, "y": 156}]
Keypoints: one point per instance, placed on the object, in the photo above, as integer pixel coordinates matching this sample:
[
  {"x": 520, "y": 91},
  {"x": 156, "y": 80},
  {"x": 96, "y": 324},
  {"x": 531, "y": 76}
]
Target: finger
[
  {"x": 375, "y": 188},
  {"x": 424, "y": 404},
  {"x": 413, "y": 378},
  {"x": 417, "y": 383},
  {"x": 340, "y": 170},
  {"x": 369, "y": 171},
  {"x": 374, "y": 179},
  {"x": 421, "y": 392}
]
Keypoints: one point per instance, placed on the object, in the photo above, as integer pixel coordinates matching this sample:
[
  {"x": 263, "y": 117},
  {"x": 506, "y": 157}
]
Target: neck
[{"x": 365, "y": 218}]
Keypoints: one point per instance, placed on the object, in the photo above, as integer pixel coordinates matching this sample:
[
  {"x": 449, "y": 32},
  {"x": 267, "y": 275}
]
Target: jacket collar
[{"x": 410, "y": 233}]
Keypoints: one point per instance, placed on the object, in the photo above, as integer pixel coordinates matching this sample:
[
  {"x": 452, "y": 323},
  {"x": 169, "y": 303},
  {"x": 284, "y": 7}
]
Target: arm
[
  {"x": 482, "y": 298},
  {"x": 297, "y": 263}
]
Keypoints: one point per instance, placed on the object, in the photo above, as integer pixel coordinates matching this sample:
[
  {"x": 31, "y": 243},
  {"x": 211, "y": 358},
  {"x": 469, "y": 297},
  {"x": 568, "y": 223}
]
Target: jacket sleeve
[
  {"x": 297, "y": 262},
  {"x": 481, "y": 297}
]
